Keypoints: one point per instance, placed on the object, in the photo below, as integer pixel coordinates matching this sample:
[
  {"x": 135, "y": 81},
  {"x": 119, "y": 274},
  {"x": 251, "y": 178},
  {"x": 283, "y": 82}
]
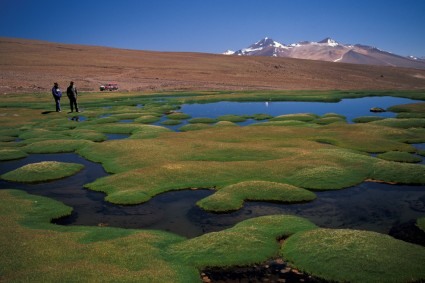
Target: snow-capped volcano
[
  {"x": 264, "y": 47},
  {"x": 329, "y": 49}
]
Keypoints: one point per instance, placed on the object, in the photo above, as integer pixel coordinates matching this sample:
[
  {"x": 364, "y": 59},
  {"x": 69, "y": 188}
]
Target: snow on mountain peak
[
  {"x": 329, "y": 41},
  {"x": 228, "y": 52}
]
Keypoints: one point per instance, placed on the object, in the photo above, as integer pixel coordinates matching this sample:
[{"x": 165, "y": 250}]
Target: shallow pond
[
  {"x": 369, "y": 206},
  {"x": 351, "y": 108}
]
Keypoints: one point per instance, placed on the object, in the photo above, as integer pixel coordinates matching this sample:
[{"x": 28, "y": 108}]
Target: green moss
[
  {"x": 329, "y": 120},
  {"x": 10, "y": 154},
  {"x": 248, "y": 242},
  {"x": 258, "y": 117},
  {"x": 148, "y": 132},
  {"x": 306, "y": 117},
  {"x": 232, "y": 197},
  {"x": 202, "y": 121},
  {"x": 232, "y": 118},
  {"x": 55, "y": 146},
  {"x": 399, "y": 156},
  {"x": 148, "y": 119},
  {"x": 326, "y": 177},
  {"x": 178, "y": 116},
  {"x": 401, "y": 123},
  {"x": 225, "y": 124},
  {"x": 194, "y": 127},
  {"x": 421, "y": 223},
  {"x": 42, "y": 171},
  {"x": 367, "y": 119},
  {"x": 394, "y": 172},
  {"x": 30, "y": 243},
  {"x": 354, "y": 256},
  {"x": 171, "y": 122}
]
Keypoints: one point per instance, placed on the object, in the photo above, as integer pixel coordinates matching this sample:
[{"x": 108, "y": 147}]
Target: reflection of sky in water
[
  {"x": 368, "y": 206},
  {"x": 351, "y": 108}
]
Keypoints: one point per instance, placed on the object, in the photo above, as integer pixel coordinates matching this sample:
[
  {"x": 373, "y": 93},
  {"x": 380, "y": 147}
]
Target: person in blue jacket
[{"x": 57, "y": 94}]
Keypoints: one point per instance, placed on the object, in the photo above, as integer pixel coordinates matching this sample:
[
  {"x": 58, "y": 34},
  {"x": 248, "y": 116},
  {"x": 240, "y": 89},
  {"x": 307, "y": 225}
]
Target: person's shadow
[{"x": 47, "y": 112}]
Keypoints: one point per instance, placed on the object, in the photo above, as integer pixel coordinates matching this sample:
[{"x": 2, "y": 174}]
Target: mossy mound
[
  {"x": 171, "y": 122},
  {"x": 55, "y": 146},
  {"x": 42, "y": 171},
  {"x": 10, "y": 154},
  {"x": 399, "y": 156},
  {"x": 225, "y": 124},
  {"x": 147, "y": 119},
  {"x": 304, "y": 117},
  {"x": 202, "y": 120},
  {"x": 30, "y": 243},
  {"x": 401, "y": 123},
  {"x": 194, "y": 127},
  {"x": 232, "y": 197},
  {"x": 178, "y": 116},
  {"x": 393, "y": 172},
  {"x": 258, "y": 117},
  {"x": 232, "y": 118},
  {"x": 354, "y": 256},
  {"x": 326, "y": 177},
  {"x": 329, "y": 120},
  {"x": 367, "y": 119},
  {"x": 248, "y": 242}
]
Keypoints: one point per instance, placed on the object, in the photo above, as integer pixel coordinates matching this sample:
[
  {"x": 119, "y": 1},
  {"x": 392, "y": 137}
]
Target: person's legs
[
  {"x": 58, "y": 105},
  {"x": 73, "y": 102}
]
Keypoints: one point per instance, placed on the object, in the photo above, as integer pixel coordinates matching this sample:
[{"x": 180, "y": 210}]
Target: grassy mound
[
  {"x": 367, "y": 119},
  {"x": 401, "y": 123},
  {"x": 202, "y": 120},
  {"x": 178, "y": 116},
  {"x": 326, "y": 178},
  {"x": 355, "y": 256},
  {"x": 10, "y": 154},
  {"x": 232, "y": 197},
  {"x": 399, "y": 156},
  {"x": 147, "y": 119},
  {"x": 250, "y": 241},
  {"x": 42, "y": 171},
  {"x": 232, "y": 118},
  {"x": 172, "y": 122},
  {"x": 35, "y": 250},
  {"x": 304, "y": 117}
]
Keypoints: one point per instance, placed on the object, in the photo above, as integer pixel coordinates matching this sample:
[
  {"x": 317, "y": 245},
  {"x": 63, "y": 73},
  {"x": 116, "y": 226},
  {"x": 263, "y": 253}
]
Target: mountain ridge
[{"x": 330, "y": 50}]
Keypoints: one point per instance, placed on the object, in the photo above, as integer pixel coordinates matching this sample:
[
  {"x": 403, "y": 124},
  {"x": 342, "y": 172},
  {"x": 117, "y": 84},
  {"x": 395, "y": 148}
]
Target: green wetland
[{"x": 191, "y": 187}]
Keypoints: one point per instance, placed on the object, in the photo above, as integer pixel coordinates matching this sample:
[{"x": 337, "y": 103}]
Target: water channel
[{"x": 368, "y": 206}]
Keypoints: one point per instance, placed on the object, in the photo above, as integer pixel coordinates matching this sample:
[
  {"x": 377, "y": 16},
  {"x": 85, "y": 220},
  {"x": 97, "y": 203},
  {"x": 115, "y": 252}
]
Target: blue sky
[{"x": 213, "y": 26}]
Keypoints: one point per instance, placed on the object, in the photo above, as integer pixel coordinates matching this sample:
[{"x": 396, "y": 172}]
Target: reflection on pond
[
  {"x": 77, "y": 118},
  {"x": 369, "y": 206},
  {"x": 351, "y": 108}
]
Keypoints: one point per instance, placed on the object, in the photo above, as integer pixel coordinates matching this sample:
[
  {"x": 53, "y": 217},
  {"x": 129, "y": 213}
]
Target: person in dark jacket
[
  {"x": 72, "y": 94},
  {"x": 57, "y": 94}
]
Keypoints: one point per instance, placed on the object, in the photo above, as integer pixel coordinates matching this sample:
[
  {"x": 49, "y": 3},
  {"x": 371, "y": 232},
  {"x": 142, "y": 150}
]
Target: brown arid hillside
[{"x": 33, "y": 66}]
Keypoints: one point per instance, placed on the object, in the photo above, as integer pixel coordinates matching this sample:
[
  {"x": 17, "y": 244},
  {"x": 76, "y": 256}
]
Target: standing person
[
  {"x": 57, "y": 94},
  {"x": 72, "y": 94}
]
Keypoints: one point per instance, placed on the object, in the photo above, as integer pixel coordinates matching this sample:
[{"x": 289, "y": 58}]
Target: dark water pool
[
  {"x": 351, "y": 108},
  {"x": 369, "y": 206}
]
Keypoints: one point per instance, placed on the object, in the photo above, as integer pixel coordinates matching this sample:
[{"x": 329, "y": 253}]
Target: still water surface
[{"x": 351, "y": 108}]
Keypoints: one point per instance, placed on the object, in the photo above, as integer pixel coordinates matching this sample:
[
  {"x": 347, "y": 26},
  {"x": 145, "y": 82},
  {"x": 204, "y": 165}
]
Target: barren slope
[{"x": 33, "y": 66}]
